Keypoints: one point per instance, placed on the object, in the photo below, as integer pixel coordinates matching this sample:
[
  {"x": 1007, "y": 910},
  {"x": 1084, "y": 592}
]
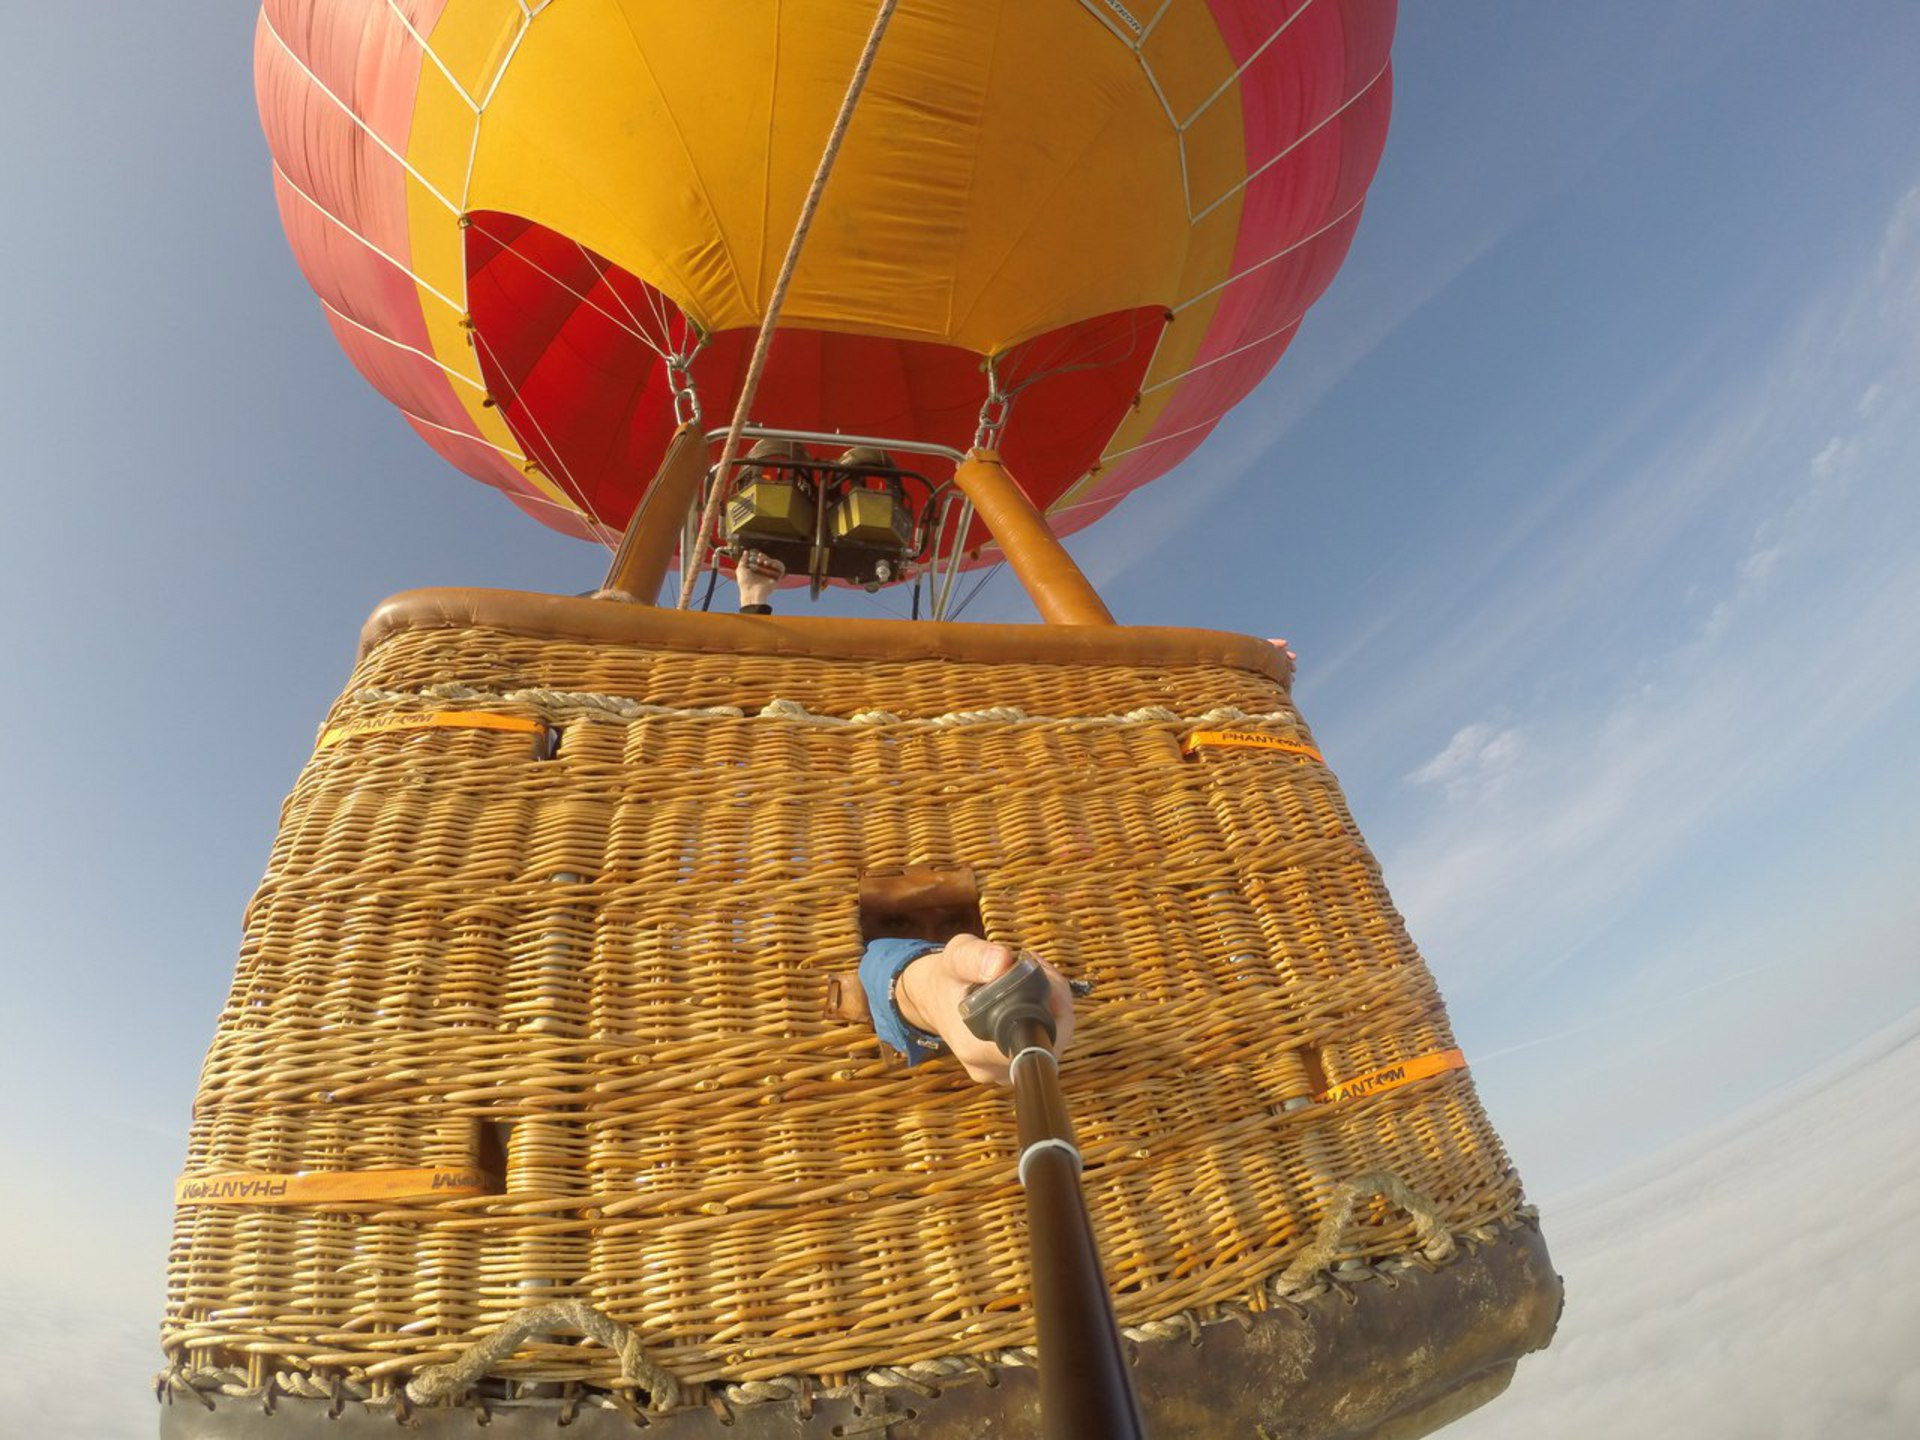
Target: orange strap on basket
[
  {"x": 1246, "y": 740},
  {"x": 431, "y": 720},
  {"x": 1393, "y": 1076},
  {"x": 326, "y": 1187}
]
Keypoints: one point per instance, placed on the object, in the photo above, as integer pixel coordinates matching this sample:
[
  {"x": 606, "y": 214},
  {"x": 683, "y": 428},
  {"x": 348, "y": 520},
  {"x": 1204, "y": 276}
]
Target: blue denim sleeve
[{"x": 879, "y": 968}]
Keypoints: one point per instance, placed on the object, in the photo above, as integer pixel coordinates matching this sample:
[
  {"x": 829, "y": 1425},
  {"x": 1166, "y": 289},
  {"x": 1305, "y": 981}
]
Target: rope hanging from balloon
[{"x": 691, "y": 564}]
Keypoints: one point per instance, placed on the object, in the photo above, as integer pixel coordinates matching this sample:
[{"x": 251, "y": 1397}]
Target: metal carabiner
[
  {"x": 994, "y": 410},
  {"x": 686, "y": 399},
  {"x": 993, "y": 420}
]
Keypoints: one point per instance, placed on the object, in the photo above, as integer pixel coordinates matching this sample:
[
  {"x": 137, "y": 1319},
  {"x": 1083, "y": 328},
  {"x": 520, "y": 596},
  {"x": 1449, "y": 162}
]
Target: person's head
[{"x": 937, "y": 924}]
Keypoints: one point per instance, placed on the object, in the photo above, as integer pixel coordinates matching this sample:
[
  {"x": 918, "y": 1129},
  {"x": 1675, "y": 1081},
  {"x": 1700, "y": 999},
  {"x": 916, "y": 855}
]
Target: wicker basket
[{"x": 580, "y": 961}]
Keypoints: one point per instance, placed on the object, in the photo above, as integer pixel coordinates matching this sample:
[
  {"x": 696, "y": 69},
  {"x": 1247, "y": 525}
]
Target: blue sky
[{"x": 1588, "y": 496}]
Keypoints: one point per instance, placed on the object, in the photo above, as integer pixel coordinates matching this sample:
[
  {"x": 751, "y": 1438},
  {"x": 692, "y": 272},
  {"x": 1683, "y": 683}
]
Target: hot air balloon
[
  {"x": 543, "y": 1096},
  {"x": 547, "y": 236}
]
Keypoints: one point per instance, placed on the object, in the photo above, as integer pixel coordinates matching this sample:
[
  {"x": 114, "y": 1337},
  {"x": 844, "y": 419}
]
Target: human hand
[
  {"x": 756, "y": 575},
  {"x": 929, "y": 992}
]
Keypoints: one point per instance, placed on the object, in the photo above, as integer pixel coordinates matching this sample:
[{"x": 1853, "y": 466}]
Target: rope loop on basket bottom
[
  {"x": 452, "y": 1380},
  {"x": 1428, "y": 1226}
]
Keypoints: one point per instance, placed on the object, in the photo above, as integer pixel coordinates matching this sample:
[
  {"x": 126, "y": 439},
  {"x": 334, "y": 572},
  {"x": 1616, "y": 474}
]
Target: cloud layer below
[{"x": 1763, "y": 1281}]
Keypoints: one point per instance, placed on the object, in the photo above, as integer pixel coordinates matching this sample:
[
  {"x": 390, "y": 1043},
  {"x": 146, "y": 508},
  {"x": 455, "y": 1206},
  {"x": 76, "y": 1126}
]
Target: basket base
[{"x": 1391, "y": 1358}]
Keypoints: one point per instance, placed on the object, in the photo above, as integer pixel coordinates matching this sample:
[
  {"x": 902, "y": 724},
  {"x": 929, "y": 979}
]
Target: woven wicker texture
[{"x": 598, "y": 969}]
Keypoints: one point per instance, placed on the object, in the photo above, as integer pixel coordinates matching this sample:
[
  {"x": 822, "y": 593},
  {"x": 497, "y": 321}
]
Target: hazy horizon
[{"x": 1587, "y": 496}]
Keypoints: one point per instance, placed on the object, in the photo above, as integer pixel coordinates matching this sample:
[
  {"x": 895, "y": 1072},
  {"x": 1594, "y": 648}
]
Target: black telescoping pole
[{"x": 1085, "y": 1390}]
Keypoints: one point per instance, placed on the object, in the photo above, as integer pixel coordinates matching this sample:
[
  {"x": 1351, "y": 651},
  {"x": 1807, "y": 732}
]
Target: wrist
[
  {"x": 881, "y": 968},
  {"x": 907, "y": 1001}
]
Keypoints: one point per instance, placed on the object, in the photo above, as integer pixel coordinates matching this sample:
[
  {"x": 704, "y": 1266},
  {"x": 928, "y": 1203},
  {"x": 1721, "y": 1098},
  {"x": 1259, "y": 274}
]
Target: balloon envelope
[{"x": 521, "y": 218}]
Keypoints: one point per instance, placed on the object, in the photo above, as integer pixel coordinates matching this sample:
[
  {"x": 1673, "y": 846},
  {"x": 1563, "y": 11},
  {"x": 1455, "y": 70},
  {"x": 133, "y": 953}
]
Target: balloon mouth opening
[{"x": 592, "y": 368}]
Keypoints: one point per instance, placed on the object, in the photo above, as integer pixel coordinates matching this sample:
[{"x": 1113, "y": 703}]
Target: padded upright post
[
  {"x": 646, "y": 551},
  {"x": 1060, "y": 592}
]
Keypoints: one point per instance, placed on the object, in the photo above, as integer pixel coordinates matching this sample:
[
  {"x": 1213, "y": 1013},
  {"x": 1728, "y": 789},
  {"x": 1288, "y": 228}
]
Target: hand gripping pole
[{"x": 1085, "y": 1391}]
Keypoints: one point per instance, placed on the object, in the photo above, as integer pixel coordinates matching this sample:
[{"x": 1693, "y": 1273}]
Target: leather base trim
[{"x": 1392, "y": 1357}]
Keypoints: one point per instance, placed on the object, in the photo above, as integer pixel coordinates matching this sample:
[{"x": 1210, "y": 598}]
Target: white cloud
[
  {"x": 1902, "y": 237},
  {"x": 1475, "y": 762},
  {"x": 1776, "y": 537},
  {"x": 1762, "y": 1281},
  {"x": 1760, "y": 562},
  {"x": 1634, "y": 756},
  {"x": 1831, "y": 457}
]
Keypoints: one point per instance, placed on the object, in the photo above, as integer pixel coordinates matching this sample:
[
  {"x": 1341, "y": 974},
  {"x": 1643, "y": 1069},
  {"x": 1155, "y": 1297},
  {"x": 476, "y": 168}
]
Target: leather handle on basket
[{"x": 1060, "y": 592}]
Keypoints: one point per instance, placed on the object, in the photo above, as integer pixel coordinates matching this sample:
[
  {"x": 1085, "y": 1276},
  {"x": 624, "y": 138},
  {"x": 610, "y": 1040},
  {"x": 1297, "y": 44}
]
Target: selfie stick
[{"x": 1085, "y": 1392}]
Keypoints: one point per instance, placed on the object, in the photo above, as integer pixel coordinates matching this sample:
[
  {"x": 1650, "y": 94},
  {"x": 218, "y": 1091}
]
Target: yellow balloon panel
[
  {"x": 966, "y": 207},
  {"x": 1131, "y": 210}
]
